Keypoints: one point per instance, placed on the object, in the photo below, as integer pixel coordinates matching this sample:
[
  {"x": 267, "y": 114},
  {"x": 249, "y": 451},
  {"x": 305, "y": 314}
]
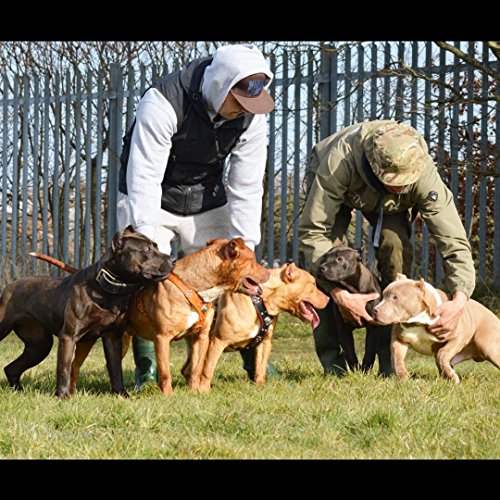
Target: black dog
[
  {"x": 90, "y": 303},
  {"x": 342, "y": 267}
]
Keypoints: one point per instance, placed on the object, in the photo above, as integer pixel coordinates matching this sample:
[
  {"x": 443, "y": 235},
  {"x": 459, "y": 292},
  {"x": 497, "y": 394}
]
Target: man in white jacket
[{"x": 172, "y": 175}]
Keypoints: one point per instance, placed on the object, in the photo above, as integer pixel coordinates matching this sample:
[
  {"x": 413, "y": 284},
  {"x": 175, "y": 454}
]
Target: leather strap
[
  {"x": 111, "y": 284},
  {"x": 202, "y": 308},
  {"x": 192, "y": 296},
  {"x": 265, "y": 320}
]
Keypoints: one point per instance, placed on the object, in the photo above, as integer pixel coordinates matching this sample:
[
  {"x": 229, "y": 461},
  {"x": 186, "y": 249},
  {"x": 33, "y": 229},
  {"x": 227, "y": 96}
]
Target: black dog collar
[{"x": 111, "y": 284}]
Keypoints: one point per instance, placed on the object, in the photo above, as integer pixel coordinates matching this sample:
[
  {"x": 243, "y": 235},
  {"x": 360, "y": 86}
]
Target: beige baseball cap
[
  {"x": 252, "y": 95},
  {"x": 395, "y": 154}
]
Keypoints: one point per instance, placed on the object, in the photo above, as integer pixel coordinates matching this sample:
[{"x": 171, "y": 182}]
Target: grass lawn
[{"x": 299, "y": 414}]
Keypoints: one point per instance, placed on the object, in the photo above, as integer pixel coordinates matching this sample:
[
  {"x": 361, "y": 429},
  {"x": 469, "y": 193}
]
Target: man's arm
[
  {"x": 323, "y": 202},
  {"x": 245, "y": 182},
  {"x": 439, "y": 212},
  {"x": 156, "y": 123}
]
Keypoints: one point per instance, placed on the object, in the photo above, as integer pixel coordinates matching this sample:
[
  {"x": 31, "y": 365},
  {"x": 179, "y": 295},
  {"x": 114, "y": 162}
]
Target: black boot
[
  {"x": 327, "y": 343},
  {"x": 145, "y": 362},
  {"x": 384, "y": 351},
  {"x": 248, "y": 356}
]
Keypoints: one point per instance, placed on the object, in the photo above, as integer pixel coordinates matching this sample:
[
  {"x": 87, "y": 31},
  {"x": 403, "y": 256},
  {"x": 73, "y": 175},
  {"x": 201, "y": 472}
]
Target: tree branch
[
  {"x": 495, "y": 48},
  {"x": 469, "y": 60}
]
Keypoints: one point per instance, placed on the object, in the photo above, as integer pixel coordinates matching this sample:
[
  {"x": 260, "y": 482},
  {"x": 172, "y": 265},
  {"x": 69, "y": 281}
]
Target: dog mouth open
[
  {"x": 250, "y": 287},
  {"x": 308, "y": 313}
]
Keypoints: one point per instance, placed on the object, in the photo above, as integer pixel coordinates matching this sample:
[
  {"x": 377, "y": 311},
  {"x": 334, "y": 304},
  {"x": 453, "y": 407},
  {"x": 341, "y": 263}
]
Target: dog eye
[
  {"x": 395, "y": 298},
  {"x": 340, "y": 259}
]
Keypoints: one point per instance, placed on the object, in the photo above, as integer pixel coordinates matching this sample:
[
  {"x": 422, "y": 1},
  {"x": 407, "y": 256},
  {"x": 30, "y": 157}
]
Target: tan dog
[
  {"x": 163, "y": 313},
  {"x": 166, "y": 315},
  {"x": 409, "y": 305},
  {"x": 289, "y": 289}
]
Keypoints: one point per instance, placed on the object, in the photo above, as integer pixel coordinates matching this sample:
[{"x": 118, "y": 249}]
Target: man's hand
[
  {"x": 353, "y": 305},
  {"x": 449, "y": 313}
]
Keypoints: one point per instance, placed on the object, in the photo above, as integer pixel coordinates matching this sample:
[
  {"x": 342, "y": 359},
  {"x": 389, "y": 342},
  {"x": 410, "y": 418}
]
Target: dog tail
[{"x": 58, "y": 263}]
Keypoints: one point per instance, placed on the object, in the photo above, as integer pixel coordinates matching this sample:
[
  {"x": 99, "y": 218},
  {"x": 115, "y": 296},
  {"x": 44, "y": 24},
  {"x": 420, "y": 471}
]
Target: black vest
[{"x": 193, "y": 180}]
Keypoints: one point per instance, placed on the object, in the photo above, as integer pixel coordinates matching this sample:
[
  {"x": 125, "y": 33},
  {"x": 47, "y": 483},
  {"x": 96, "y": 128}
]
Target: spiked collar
[{"x": 111, "y": 283}]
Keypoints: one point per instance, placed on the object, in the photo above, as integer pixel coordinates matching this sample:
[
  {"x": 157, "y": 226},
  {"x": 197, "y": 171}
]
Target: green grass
[{"x": 299, "y": 414}]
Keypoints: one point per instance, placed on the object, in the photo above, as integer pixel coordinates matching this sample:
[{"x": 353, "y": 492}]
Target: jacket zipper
[{"x": 189, "y": 195}]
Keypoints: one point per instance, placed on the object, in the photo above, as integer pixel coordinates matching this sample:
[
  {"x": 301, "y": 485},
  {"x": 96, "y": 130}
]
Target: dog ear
[
  {"x": 117, "y": 241},
  {"x": 129, "y": 229},
  {"x": 400, "y": 276},
  {"x": 230, "y": 250},
  {"x": 290, "y": 273},
  {"x": 428, "y": 298}
]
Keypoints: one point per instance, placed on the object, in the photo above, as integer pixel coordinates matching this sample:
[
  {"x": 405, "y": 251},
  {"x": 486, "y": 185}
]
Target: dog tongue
[
  {"x": 315, "y": 320},
  {"x": 311, "y": 312}
]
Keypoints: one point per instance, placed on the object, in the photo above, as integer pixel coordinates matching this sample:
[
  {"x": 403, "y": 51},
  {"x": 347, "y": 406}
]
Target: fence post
[
  {"x": 115, "y": 136},
  {"x": 496, "y": 232},
  {"x": 324, "y": 92}
]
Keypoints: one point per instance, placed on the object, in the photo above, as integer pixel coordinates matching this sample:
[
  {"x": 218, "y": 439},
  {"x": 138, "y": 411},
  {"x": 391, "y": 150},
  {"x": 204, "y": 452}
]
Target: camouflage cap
[{"x": 395, "y": 154}]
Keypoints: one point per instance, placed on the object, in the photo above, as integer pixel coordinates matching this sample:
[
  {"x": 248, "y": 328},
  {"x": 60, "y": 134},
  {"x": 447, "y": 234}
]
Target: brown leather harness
[{"x": 202, "y": 308}]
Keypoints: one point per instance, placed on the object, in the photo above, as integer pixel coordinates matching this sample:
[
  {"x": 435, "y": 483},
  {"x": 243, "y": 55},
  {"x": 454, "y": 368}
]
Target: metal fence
[{"x": 61, "y": 140}]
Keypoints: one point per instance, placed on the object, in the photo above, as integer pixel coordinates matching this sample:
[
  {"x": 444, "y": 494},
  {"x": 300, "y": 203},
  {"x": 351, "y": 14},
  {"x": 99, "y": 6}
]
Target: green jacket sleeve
[
  {"x": 438, "y": 210},
  {"x": 322, "y": 205}
]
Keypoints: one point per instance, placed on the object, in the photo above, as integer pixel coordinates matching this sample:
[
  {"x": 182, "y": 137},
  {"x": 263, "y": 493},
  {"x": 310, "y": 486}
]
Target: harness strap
[
  {"x": 265, "y": 320},
  {"x": 202, "y": 308}
]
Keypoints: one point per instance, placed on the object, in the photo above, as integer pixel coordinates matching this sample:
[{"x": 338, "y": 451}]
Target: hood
[{"x": 231, "y": 64}]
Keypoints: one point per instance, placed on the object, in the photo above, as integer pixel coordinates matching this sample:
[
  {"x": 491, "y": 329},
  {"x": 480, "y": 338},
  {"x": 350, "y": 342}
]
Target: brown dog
[
  {"x": 289, "y": 289},
  {"x": 89, "y": 304},
  {"x": 167, "y": 315},
  {"x": 410, "y": 304},
  {"x": 164, "y": 313}
]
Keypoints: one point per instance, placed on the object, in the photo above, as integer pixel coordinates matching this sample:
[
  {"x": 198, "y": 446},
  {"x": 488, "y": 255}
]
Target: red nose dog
[
  {"x": 289, "y": 289},
  {"x": 167, "y": 315}
]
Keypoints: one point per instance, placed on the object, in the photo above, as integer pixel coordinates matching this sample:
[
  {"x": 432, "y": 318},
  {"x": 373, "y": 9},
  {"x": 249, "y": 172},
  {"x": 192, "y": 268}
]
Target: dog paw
[{"x": 62, "y": 395}]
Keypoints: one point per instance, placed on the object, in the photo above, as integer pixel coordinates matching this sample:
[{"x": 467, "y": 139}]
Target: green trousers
[{"x": 394, "y": 255}]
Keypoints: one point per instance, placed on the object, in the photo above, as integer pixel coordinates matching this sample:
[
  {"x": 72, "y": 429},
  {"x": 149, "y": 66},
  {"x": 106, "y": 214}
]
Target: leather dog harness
[
  {"x": 265, "y": 320},
  {"x": 201, "y": 307}
]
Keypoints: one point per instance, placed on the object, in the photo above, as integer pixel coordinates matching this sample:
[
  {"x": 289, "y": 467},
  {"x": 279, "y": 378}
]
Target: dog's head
[
  {"x": 135, "y": 258},
  {"x": 339, "y": 264},
  {"x": 294, "y": 291},
  {"x": 238, "y": 271},
  {"x": 404, "y": 299}
]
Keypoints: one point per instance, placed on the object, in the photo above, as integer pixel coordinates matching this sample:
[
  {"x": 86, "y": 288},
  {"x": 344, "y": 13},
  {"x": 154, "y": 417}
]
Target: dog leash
[{"x": 201, "y": 307}]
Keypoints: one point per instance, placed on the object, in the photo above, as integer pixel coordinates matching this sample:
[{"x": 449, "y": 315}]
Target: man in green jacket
[{"x": 383, "y": 169}]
